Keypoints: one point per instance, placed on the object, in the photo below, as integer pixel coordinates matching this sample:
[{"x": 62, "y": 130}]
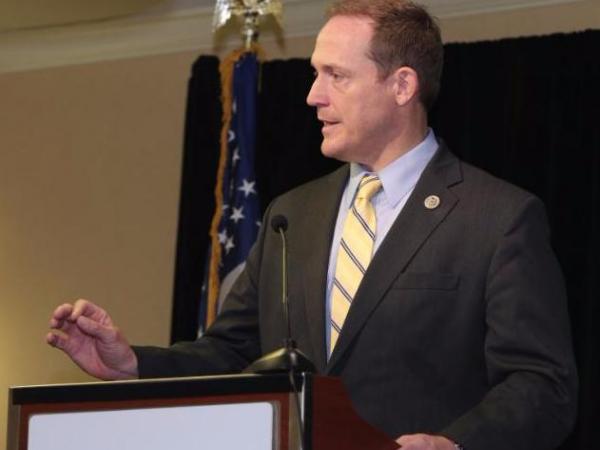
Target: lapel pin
[{"x": 432, "y": 202}]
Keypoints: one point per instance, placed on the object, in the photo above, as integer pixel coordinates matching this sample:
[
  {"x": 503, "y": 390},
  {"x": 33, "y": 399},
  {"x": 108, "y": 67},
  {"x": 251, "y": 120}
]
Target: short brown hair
[{"x": 404, "y": 35}]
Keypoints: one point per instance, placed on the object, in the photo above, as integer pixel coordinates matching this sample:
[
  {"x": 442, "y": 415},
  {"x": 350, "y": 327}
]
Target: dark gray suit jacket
[{"x": 460, "y": 326}]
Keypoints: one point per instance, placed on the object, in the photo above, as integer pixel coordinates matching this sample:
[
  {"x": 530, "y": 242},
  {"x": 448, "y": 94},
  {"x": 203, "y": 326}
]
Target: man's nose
[{"x": 316, "y": 95}]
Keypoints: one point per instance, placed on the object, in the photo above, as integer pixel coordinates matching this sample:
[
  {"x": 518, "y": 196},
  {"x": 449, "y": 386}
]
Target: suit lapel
[
  {"x": 408, "y": 233},
  {"x": 321, "y": 218}
]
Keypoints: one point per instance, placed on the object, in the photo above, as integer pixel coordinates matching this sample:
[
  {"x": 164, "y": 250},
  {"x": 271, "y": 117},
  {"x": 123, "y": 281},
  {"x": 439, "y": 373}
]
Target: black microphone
[
  {"x": 279, "y": 223},
  {"x": 288, "y": 358}
]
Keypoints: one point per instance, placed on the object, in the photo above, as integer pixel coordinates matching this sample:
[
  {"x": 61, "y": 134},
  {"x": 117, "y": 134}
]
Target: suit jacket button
[{"x": 432, "y": 202}]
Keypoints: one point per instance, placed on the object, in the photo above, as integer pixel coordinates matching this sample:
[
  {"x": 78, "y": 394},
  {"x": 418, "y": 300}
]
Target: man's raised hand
[{"x": 86, "y": 333}]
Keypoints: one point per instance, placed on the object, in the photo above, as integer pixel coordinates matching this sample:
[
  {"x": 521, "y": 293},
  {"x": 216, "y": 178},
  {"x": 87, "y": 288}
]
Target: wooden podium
[{"x": 257, "y": 412}]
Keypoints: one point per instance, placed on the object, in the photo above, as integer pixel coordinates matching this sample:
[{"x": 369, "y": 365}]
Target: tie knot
[{"x": 368, "y": 187}]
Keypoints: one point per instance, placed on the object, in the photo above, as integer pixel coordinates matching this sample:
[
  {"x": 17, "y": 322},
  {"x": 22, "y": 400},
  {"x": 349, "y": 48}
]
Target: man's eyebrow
[{"x": 328, "y": 67}]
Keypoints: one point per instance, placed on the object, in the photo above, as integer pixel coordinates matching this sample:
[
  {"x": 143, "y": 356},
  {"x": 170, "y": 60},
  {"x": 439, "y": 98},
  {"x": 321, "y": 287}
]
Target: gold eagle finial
[{"x": 250, "y": 11}]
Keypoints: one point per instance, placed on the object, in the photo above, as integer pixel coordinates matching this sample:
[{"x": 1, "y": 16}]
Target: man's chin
[{"x": 330, "y": 150}]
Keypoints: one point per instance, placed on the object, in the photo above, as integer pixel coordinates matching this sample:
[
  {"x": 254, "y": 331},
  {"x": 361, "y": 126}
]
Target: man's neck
[{"x": 411, "y": 136}]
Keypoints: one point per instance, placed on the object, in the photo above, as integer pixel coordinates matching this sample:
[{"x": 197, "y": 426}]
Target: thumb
[{"x": 96, "y": 329}]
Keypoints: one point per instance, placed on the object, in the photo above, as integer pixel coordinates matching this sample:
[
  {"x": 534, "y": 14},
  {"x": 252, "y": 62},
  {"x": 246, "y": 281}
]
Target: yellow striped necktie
[{"x": 354, "y": 254}]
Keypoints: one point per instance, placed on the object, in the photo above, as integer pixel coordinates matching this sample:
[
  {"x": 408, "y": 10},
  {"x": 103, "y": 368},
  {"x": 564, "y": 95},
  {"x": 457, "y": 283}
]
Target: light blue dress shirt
[{"x": 398, "y": 181}]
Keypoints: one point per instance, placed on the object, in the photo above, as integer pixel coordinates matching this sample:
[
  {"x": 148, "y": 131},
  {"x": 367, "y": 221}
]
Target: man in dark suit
[{"x": 435, "y": 297}]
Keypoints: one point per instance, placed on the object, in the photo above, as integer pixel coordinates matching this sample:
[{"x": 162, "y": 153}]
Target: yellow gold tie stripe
[{"x": 354, "y": 254}]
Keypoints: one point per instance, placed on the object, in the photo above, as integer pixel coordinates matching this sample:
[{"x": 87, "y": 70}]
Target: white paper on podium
[{"x": 205, "y": 427}]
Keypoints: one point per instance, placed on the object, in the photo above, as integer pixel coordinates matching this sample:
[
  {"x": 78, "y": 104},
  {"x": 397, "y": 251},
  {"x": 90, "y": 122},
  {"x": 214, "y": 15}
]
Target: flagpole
[{"x": 223, "y": 237}]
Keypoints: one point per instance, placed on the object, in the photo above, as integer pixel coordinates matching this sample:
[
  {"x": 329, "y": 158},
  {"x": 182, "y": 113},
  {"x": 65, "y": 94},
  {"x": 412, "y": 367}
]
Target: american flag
[{"x": 237, "y": 216}]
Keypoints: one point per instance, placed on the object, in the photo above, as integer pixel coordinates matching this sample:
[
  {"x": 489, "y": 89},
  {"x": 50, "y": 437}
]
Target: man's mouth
[{"x": 327, "y": 124}]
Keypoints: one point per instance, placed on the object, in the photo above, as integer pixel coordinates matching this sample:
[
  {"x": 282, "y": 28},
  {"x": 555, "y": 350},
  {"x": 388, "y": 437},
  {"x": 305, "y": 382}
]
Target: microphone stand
[{"x": 287, "y": 358}]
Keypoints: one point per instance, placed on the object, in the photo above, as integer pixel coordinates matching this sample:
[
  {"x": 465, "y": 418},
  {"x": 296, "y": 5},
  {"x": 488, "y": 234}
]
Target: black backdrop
[{"x": 524, "y": 109}]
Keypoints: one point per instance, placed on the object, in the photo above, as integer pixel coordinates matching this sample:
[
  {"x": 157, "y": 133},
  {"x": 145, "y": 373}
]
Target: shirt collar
[{"x": 400, "y": 176}]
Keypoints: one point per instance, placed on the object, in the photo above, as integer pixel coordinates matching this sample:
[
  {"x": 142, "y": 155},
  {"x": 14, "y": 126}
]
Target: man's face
[{"x": 356, "y": 107}]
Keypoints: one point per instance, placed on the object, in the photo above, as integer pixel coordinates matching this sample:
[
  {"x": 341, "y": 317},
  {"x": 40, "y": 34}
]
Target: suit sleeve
[
  {"x": 528, "y": 350},
  {"x": 230, "y": 344}
]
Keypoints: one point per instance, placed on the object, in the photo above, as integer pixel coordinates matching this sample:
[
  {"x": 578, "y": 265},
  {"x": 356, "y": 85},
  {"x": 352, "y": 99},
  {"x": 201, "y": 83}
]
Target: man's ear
[{"x": 405, "y": 85}]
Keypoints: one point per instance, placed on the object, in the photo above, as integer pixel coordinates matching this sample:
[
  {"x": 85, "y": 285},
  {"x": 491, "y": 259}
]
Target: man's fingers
[
  {"x": 85, "y": 308},
  {"x": 96, "y": 329},
  {"x": 57, "y": 340},
  {"x": 412, "y": 442},
  {"x": 51, "y": 339},
  {"x": 60, "y": 319},
  {"x": 61, "y": 313},
  {"x": 77, "y": 320},
  {"x": 421, "y": 441},
  {"x": 405, "y": 439},
  {"x": 69, "y": 313}
]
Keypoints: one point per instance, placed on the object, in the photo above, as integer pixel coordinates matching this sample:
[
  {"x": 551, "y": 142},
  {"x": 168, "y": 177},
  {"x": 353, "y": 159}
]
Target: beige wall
[
  {"x": 89, "y": 183},
  {"x": 533, "y": 21},
  {"x": 89, "y": 179}
]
